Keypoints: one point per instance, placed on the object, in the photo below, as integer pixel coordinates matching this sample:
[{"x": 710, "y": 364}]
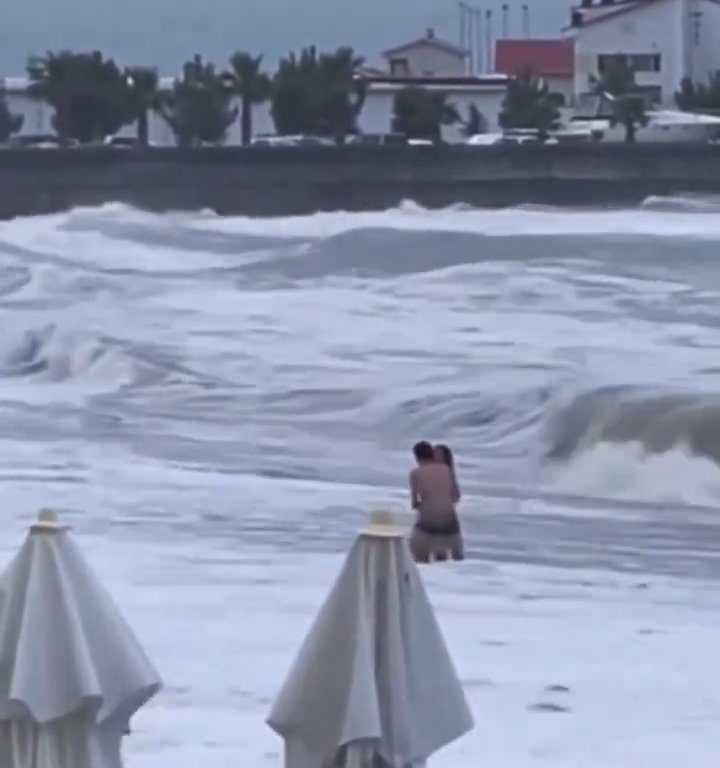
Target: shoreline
[{"x": 284, "y": 181}]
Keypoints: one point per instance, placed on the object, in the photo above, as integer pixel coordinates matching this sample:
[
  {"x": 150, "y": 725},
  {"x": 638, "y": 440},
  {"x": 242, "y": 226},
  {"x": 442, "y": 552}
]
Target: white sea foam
[
  {"x": 498, "y": 223},
  {"x": 559, "y": 667},
  {"x": 215, "y": 404},
  {"x": 627, "y": 471}
]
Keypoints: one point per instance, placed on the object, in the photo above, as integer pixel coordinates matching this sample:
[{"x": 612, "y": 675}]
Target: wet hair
[
  {"x": 423, "y": 451},
  {"x": 447, "y": 455}
]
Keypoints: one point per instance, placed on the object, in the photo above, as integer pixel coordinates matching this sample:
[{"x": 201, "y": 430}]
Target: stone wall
[{"x": 263, "y": 181}]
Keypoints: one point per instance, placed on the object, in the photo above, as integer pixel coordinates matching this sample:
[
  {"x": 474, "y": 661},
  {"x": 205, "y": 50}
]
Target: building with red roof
[{"x": 553, "y": 60}]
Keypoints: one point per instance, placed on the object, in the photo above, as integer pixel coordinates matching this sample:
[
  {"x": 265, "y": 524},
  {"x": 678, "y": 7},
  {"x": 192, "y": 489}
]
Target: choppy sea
[{"x": 215, "y": 405}]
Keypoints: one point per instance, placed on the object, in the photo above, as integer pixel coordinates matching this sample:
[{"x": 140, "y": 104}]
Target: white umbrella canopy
[
  {"x": 72, "y": 673},
  {"x": 373, "y": 683}
]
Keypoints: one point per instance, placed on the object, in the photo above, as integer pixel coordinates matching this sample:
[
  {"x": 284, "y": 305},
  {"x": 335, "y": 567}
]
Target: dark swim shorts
[{"x": 449, "y": 528}]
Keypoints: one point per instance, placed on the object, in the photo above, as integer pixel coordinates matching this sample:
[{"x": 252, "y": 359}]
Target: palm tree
[
  {"x": 89, "y": 94},
  {"x": 252, "y": 85},
  {"x": 618, "y": 88},
  {"x": 318, "y": 94},
  {"x": 343, "y": 92},
  {"x": 198, "y": 108},
  {"x": 528, "y": 103},
  {"x": 699, "y": 97},
  {"x": 628, "y": 111},
  {"x": 143, "y": 84},
  {"x": 420, "y": 114}
]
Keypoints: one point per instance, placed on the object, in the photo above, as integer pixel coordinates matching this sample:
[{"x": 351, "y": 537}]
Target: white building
[
  {"x": 37, "y": 116},
  {"x": 485, "y": 93},
  {"x": 428, "y": 56},
  {"x": 663, "y": 41},
  {"x": 435, "y": 65}
]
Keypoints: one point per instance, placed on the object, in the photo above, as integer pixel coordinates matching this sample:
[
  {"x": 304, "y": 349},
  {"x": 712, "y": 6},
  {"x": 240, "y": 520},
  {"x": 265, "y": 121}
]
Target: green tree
[
  {"x": 420, "y": 114},
  {"x": 699, "y": 97},
  {"x": 618, "y": 87},
  {"x": 475, "y": 123},
  {"x": 198, "y": 109},
  {"x": 9, "y": 123},
  {"x": 529, "y": 104},
  {"x": 90, "y": 96},
  {"x": 252, "y": 85},
  {"x": 144, "y": 98},
  {"x": 344, "y": 92},
  {"x": 318, "y": 94}
]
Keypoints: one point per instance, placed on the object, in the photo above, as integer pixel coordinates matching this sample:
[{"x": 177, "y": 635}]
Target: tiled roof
[
  {"x": 541, "y": 57},
  {"x": 430, "y": 40}
]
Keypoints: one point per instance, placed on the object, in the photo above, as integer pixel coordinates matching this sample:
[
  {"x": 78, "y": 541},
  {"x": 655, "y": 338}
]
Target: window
[
  {"x": 645, "y": 62},
  {"x": 638, "y": 62},
  {"x": 399, "y": 67},
  {"x": 605, "y": 61}
]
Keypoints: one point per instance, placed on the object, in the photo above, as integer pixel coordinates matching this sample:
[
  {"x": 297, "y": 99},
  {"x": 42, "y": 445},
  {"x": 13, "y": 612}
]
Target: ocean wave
[
  {"x": 654, "y": 217},
  {"x": 338, "y": 368},
  {"x": 169, "y": 232},
  {"x": 13, "y": 280},
  {"x": 492, "y": 422},
  {"x": 383, "y": 252},
  {"x": 509, "y": 222},
  {"x": 47, "y": 354},
  {"x": 393, "y": 253},
  {"x": 50, "y": 355},
  {"x": 116, "y": 240},
  {"x": 628, "y": 472},
  {"x": 657, "y": 421},
  {"x": 687, "y": 203}
]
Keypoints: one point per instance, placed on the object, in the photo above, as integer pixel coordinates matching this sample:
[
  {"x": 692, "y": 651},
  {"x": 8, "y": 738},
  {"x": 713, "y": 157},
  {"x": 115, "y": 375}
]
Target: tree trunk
[
  {"x": 246, "y": 122},
  {"x": 143, "y": 128},
  {"x": 630, "y": 132}
]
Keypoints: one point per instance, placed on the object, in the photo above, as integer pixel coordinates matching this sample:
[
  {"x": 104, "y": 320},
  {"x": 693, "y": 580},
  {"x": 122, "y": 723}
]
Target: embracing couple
[{"x": 434, "y": 492}]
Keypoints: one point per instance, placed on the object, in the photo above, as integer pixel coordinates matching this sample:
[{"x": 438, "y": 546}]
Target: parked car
[
  {"x": 484, "y": 139},
  {"x": 377, "y": 139},
  {"x": 121, "y": 142},
  {"x": 272, "y": 140},
  {"x": 42, "y": 141}
]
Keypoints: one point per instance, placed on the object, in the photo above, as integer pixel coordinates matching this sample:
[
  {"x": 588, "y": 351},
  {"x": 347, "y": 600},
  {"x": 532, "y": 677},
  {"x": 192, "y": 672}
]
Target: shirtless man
[{"x": 434, "y": 493}]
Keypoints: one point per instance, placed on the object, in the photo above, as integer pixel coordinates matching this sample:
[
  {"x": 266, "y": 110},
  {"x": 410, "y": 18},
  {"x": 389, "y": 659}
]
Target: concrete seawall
[{"x": 284, "y": 181}]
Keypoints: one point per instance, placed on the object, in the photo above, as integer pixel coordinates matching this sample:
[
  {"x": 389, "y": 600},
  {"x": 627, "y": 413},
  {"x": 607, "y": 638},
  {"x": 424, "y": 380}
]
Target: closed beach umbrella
[
  {"x": 72, "y": 673},
  {"x": 373, "y": 684}
]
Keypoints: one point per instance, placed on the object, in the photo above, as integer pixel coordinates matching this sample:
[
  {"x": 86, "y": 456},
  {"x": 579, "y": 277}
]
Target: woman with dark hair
[
  {"x": 443, "y": 455},
  {"x": 434, "y": 493}
]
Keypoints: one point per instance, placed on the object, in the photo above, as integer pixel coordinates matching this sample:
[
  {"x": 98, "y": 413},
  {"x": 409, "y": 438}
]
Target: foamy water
[{"x": 215, "y": 404}]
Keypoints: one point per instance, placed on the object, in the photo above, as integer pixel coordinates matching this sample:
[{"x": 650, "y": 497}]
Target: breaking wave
[
  {"x": 657, "y": 422},
  {"x": 628, "y": 472},
  {"x": 49, "y": 355},
  {"x": 365, "y": 331},
  {"x": 688, "y": 203}
]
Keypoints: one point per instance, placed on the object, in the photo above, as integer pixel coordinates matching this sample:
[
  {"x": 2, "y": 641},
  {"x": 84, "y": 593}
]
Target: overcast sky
[{"x": 167, "y": 32}]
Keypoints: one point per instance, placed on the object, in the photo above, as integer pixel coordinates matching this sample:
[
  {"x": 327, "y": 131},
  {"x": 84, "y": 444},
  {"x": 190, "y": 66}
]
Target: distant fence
[{"x": 294, "y": 180}]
